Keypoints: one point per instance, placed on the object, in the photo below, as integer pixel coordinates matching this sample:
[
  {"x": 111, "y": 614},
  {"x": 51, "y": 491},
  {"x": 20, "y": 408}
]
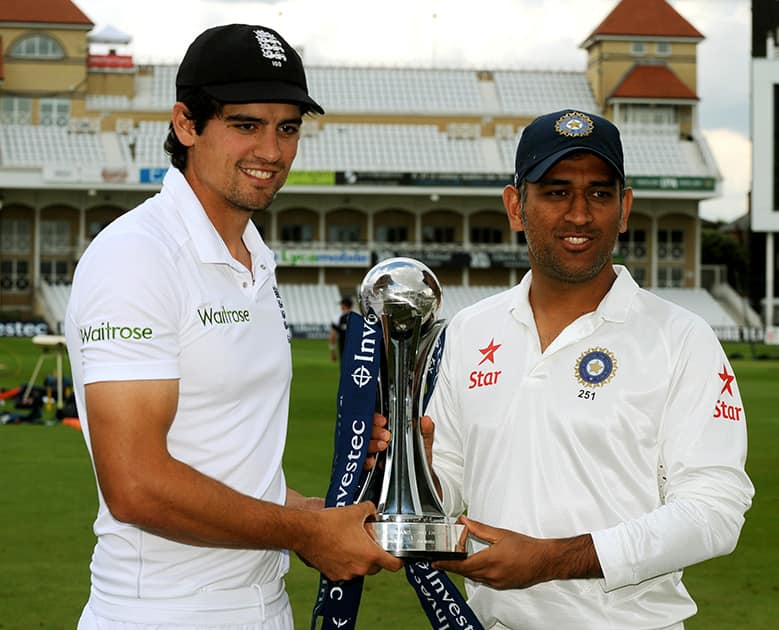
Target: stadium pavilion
[{"x": 405, "y": 161}]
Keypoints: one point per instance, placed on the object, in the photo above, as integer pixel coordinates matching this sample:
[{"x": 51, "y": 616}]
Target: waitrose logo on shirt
[
  {"x": 215, "y": 316},
  {"x": 105, "y": 331}
]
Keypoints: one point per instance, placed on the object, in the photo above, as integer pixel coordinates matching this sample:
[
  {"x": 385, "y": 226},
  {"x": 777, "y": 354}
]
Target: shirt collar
[
  {"x": 613, "y": 307},
  {"x": 208, "y": 243}
]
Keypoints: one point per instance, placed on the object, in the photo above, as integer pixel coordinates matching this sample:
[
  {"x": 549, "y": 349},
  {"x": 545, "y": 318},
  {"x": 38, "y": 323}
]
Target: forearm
[
  {"x": 569, "y": 558},
  {"x": 175, "y": 501}
]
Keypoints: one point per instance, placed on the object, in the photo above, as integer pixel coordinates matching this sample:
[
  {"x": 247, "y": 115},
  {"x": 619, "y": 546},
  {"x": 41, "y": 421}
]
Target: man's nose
[
  {"x": 266, "y": 146},
  {"x": 579, "y": 209}
]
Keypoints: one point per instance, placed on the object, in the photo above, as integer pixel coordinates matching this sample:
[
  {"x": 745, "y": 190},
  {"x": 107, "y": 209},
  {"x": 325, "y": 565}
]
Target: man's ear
[
  {"x": 513, "y": 204},
  {"x": 627, "y": 205},
  {"x": 183, "y": 125}
]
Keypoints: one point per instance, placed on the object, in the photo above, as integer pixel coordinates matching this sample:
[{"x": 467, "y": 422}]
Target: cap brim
[
  {"x": 263, "y": 92},
  {"x": 539, "y": 170}
]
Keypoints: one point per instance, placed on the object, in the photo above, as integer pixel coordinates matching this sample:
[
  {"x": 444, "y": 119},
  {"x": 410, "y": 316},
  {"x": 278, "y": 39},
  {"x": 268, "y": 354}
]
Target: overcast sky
[{"x": 529, "y": 34}]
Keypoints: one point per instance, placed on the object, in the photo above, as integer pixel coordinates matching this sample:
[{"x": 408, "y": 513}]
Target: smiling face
[
  {"x": 571, "y": 218},
  {"x": 242, "y": 157}
]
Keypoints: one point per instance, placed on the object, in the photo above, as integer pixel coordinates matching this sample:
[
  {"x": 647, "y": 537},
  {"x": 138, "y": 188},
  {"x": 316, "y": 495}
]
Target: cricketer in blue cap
[
  {"x": 569, "y": 197},
  {"x": 586, "y": 447},
  {"x": 551, "y": 137}
]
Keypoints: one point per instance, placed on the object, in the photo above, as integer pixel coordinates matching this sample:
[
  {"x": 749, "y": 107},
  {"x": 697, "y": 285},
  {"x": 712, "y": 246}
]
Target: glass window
[
  {"x": 14, "y": 275},
  {"x": 670, "y": 277},
  {"x": 54, "y": 112},
  {"x": 631, "y": 244},
  {"x": 16, "y": 236},
  {"x": 297, "y": 233},
  {"x": 391, "y": 233},
  {"x": 437, "y": 234},
  {"x": 37, "y": 47},
  {"x": 486, "y": 235},
  {"x": 343, "y": 233},
  {"x": 15, "y": 110},
  {"x": 55, "y": 237},
  {"x": 670, "y": 244},
  {"x": 663, "y": 49},
  {"x": 55, "y": 271},
  {"x": 639, "y": 275},
  {"x": 638, "y": 49}
]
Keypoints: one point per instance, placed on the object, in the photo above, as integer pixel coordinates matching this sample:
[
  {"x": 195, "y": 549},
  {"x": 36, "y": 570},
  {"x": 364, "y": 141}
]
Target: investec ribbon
[{"x": 337, "y": 602}]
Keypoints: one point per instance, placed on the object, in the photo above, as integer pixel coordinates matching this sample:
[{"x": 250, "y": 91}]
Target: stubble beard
[
  {"x": 250, "y": 203},
  {"x": 553, "y": 267},
  {"x": 546, "y": 262}
]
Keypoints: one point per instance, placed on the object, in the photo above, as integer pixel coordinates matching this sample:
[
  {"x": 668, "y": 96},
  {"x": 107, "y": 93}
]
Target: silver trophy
[{"x": 406, "y": 296}]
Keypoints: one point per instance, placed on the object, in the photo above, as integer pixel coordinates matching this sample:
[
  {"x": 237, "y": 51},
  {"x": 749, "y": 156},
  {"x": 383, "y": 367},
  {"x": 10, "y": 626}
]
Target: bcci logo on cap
[
  {"x": 595, "y": 367},
  {"x": 574, "y": 125}
]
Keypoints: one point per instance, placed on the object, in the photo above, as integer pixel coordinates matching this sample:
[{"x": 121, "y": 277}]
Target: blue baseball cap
[{"x": 549, "y": 138}]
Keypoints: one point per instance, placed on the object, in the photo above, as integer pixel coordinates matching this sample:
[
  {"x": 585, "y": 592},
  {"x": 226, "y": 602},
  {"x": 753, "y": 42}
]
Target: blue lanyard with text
[{"x": 337, "y": 602}]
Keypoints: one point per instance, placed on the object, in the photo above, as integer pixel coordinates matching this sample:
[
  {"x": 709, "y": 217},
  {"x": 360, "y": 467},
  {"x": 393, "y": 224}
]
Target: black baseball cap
[
  {"x": 239, "y": 63},
  {"x": 550, "y": 137}
]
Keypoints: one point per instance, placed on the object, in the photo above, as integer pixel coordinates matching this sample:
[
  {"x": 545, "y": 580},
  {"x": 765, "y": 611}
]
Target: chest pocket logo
[{"x": 595, "y": 367}]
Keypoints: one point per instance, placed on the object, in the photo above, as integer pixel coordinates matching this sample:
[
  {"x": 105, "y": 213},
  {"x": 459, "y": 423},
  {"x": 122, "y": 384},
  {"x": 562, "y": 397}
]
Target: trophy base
[{"x": 420, "y": 540}]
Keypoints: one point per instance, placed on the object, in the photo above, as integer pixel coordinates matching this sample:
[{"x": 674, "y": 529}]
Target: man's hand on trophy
[
  {"x": 514, "y": 560},
  {"x": 380, "y": 437},
  {"x": 341, "y": 547}
]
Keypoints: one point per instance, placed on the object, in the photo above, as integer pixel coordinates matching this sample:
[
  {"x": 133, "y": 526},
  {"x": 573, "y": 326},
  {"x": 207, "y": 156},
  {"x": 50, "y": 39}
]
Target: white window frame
[
  {"x": 37, "y": 46},
  {"x": 54, "y": 112},
  {"x": 15, "y": 110}
]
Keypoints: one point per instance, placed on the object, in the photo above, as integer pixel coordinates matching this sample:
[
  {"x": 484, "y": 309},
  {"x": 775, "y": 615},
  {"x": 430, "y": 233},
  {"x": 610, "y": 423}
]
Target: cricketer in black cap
[
  {"x": 239, "y": 63},
  {"x": 236, "y": 64},
  {"x": 195, "y": 536}
]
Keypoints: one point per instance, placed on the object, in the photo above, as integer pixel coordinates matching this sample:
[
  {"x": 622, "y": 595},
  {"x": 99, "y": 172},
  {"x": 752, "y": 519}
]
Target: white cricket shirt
[
  {"x": 157, "y": 295},
  {"x": 629, "y": 426}
]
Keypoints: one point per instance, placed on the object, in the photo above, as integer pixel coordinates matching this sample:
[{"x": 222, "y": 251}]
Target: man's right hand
[{"x": 341, "y": 547}]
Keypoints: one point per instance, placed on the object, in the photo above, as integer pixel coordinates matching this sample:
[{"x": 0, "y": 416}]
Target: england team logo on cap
[
  {"x": 595, "y": 367},
  {"x": 574, "y": 125},
  {"x": 272, "y": 49}
]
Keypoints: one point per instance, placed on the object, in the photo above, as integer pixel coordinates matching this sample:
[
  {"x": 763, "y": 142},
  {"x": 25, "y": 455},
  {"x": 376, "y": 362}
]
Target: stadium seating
[
  {"x": 309, "y": 304},
  {"x": 698, "y": 301},
  {"x": 395, "y": 90},
  {"x": 53, "y": 298},
  {"x": 656, "y": 150},
  {"x": 392, "y": 148},
  {"x": 456, "y": 298},
  {"x": 37, "y": 145},
  {"x": 522, "y": 92}
]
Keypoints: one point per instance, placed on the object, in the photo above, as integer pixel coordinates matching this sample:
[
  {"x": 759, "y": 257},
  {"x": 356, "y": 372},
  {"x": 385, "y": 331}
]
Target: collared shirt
[
  {"x": 629, "y": 426},
  {"x": 157, "y": 295}
]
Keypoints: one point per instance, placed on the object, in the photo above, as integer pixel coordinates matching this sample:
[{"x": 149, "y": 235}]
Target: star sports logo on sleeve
[
  {"x": 481, "y": 378},
  {"x": 722, "y": 409}
]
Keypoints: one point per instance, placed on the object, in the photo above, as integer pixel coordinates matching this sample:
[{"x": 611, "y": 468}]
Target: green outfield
[{"x": 48, "y": 500}]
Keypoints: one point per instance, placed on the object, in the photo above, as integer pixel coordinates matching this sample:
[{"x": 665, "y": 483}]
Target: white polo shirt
[
  {"x": 629, "y": 426},
  {"x": 157, "y": 295}
]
